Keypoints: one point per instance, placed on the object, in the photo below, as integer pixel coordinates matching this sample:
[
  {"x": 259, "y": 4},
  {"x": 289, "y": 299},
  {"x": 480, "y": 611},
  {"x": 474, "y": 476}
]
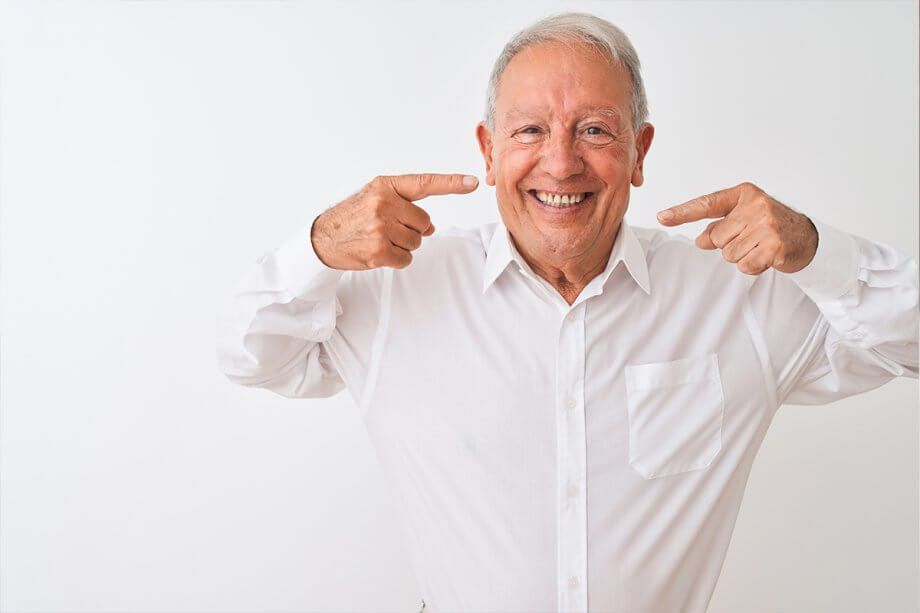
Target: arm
[
  {"x": 837, "y": 313},
  {"x": 277, "y": 330},
  {"x": 303, "y": 318},
  {"x": 844, "y": 324}
]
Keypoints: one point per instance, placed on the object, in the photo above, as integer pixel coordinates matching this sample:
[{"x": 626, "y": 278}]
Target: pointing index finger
[
  {"x": 716, "y": 204},
  {"x": 418, "y": 186}
]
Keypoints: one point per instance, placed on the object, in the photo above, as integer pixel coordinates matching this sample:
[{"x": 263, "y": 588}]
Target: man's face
[{"x": 563, "y": 128}]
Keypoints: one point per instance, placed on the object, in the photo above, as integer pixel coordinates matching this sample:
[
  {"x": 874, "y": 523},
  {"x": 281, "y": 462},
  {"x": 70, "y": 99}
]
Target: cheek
[
  {"x": 612, "y": 165},
  {"x": 513, "y": 164}
]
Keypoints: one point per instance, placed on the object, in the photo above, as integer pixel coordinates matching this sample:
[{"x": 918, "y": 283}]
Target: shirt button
[
  {"x": 573, "y": 582},
  {"x": 572, "y": 491},
  {"x": 570, "y": 403}
]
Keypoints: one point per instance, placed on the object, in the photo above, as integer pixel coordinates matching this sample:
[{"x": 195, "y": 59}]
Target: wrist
[
  {"x": 801, "y": 239},
  {"x": 319, "y": 239},
  {"x": 811, "y": 241}
]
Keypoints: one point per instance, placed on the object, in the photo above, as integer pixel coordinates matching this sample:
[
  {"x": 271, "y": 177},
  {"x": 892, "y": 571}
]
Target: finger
[
  {"x": 736, "y": 249},
  {"x": 404, "y": 237},
  {"x": 399, "y": 257},
  {"x": 716, "y": 204},
  {"x": 756, "y": 261},
  {"x": 413, "y": 216},
  {"x": 429, "y": 231},
  {"x": 418, "y": 186},
  {"x": 703, "y": 241},
  {"x": 726, "y": 230}
]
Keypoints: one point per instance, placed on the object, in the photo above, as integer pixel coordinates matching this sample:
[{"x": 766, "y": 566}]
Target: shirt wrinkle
[{"x": 553, "y": 457}]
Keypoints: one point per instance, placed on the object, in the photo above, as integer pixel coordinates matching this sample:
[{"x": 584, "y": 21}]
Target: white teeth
[{"x": 560, "y": 200}]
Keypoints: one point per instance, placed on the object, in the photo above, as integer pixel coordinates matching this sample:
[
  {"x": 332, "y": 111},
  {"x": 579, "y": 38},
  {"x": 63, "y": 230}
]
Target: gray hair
[{"x": 574, "y": 27}]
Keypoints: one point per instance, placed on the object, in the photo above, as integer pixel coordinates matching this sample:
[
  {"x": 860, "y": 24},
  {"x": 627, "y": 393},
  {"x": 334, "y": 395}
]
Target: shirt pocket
[{"x": 675, "y": 415}]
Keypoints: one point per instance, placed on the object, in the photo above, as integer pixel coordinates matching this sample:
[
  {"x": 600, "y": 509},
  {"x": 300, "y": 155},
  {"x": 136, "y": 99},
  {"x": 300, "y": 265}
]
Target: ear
[
  {"x": 643, "y": 142},
  {"x": 485, "y": 146}
]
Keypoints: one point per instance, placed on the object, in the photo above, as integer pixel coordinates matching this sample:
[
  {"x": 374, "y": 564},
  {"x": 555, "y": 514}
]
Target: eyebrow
[{"x": 598, "y": 110}]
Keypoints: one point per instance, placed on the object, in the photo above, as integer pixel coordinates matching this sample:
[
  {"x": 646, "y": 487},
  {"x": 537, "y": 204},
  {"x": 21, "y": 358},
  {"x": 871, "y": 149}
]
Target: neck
[{"x": 569, "y": 277}]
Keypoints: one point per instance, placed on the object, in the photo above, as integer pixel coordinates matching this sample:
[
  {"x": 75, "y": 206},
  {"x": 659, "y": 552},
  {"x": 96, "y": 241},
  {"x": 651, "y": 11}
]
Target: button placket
[{"x": 571, "y": 462}]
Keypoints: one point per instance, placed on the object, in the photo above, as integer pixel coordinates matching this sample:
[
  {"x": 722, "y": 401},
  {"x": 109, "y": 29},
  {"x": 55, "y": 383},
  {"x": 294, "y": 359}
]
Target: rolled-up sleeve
[
  {"x": 845, "y": 324},
  {"x": 295, "y": 326}
]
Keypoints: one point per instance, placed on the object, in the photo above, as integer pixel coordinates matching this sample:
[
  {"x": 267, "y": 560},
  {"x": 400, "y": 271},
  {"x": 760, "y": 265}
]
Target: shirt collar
[{"x": 626, "y": 248}]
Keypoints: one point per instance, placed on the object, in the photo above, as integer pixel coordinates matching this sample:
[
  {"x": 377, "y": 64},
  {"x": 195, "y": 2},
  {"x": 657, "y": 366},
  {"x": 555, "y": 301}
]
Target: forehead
[{"x": 563, "y": 78}]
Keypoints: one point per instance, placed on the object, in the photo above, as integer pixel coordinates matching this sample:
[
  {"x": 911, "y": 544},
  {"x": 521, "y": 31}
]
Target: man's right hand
[{"x": 379, "y": 226}]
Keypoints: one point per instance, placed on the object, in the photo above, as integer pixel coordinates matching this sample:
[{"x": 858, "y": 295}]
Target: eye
[
  {"x": 528, "y": 134},
  {"x": 597, "y": 135}
]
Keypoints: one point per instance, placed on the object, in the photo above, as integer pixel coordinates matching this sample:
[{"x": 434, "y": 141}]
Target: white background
[{"x": 150, "y": 151}]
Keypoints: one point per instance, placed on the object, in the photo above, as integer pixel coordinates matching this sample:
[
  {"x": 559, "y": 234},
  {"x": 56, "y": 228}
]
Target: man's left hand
[{"x": 753, "y": 231}]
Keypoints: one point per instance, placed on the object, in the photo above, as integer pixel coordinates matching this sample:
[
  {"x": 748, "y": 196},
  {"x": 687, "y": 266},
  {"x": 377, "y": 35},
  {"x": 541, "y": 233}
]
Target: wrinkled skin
[{"x": 563, "y": 124}]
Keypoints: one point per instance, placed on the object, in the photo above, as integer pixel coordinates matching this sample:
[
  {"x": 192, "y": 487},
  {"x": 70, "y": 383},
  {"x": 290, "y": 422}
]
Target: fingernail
[
  {"x": 470, "y": 180},
  {"x": 665, "y": 215}
]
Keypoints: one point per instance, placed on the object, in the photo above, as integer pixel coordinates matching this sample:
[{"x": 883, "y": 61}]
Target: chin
[{"x": 563, "y": 243}]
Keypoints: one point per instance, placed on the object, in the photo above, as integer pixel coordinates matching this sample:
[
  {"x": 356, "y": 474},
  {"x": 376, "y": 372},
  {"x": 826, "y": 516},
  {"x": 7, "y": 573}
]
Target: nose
[{"x": 561, "y": 158}]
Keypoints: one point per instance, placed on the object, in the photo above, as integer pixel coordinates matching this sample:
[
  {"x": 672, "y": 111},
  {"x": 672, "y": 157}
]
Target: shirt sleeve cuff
[
  {"x": 834, "y": 269},
  {"x": 300, "y": 269}
]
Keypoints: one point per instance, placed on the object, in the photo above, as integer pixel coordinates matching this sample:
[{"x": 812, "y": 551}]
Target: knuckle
[
  {"x": 380, "y": 250},
  {"x": 378, "y": 259},
  {"x": 404, "y": 261},
  {"x": 747, "y": 186},
  {"x": 416, "y": 215},
  {"x": 376, "y": 203}
]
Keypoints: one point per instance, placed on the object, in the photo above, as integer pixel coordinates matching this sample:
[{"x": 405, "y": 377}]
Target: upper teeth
[{"x": 557, "y": 199}]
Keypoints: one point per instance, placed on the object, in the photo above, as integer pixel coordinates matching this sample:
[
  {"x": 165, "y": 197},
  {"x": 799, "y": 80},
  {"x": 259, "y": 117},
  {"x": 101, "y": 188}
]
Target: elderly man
[{"x": 568, "y": 407}]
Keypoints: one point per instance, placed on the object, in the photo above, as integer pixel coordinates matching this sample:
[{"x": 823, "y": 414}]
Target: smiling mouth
[{"x": 560, "y": 201}]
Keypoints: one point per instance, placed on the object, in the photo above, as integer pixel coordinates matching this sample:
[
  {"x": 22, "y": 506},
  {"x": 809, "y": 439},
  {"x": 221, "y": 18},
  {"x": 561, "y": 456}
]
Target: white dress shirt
[{"x": 592, "y": 457}]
